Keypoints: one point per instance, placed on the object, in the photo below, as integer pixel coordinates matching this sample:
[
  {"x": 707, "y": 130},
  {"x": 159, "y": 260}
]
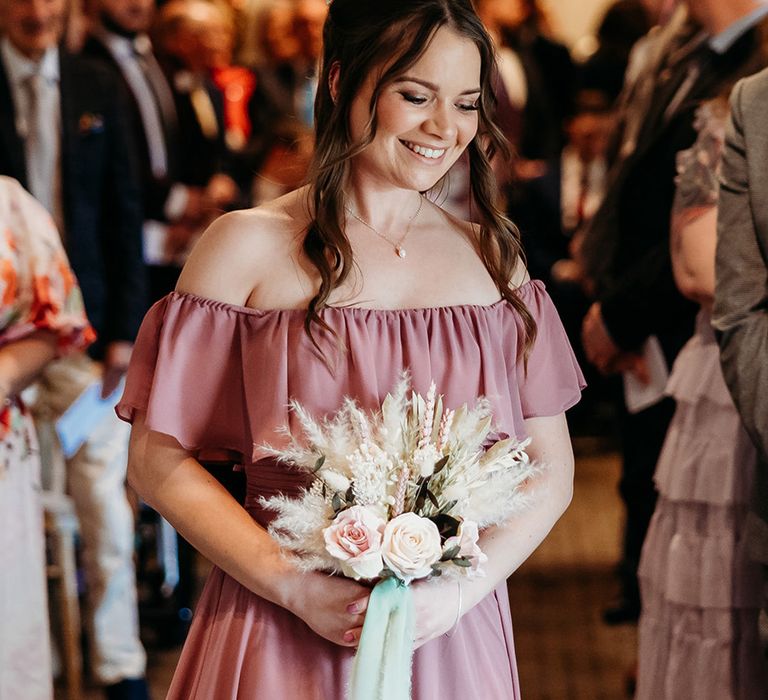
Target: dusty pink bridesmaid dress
[{"x": 219, "y": 377}]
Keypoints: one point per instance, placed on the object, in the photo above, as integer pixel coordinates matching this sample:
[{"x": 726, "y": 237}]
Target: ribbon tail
[{"x": 382, "y": 666}]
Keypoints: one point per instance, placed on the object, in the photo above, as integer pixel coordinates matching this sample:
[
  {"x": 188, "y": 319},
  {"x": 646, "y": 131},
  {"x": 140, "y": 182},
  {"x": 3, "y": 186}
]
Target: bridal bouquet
[{"x": 396, "y": 495}]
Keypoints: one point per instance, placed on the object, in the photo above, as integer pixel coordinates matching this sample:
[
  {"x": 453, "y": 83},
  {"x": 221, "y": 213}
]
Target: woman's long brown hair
[{"x": 389, "y": 36}]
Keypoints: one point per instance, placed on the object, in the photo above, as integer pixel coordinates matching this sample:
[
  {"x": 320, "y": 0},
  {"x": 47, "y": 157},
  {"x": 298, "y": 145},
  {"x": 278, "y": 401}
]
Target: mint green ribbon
[{"x": 382, "y": 665}]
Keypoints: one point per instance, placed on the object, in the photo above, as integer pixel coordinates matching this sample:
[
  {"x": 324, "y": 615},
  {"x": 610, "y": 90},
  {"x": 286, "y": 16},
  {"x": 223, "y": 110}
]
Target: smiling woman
[{"x": 302, "y": 300}]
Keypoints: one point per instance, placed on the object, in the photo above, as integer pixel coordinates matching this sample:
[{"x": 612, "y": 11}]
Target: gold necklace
[{"x": 400, "y": 251}]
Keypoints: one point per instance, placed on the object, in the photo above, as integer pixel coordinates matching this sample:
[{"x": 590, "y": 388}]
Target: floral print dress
[{"x": 38, "y": 292}]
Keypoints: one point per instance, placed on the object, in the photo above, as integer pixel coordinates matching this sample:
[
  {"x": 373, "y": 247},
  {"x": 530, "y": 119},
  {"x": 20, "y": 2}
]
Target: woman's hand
[
  {"x": 333, "y": 606},
  {"x": 436, "y": 606}
]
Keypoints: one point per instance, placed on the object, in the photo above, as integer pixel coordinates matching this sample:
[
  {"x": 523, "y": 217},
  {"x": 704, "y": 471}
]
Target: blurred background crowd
[{"x": 135, "y": 123}]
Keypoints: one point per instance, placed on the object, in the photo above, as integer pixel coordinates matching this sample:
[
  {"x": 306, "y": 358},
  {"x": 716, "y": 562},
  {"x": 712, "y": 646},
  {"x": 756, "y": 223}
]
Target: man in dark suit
[
  {"x": 62, "y": 135},
  {"x": 174, "y": 200},
  {"x": 626, "y": 249}
]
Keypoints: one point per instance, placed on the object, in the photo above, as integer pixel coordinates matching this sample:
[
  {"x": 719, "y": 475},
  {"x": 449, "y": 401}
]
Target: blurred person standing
[
  {"x": 119, "y": 40},
  {"x": 42, "y": 316},
  {"x": 185, "y": 39},
  {"x": 739, "y": 318},
  {"x": 308, "y": 19},
  {"x": 537, "y": 72},
  {"x": 249, "y": 115},
  {"x": 65, "y": 137},
  {"x": 640, "y": 320},
  {"x": 292, "y": 37},
  {"x": 249, "y": 17},
  {"x": 624, "y": 23}
]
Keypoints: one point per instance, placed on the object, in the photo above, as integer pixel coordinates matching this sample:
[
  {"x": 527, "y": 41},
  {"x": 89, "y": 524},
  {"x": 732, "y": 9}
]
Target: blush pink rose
[{"x": 354, "y": 539}]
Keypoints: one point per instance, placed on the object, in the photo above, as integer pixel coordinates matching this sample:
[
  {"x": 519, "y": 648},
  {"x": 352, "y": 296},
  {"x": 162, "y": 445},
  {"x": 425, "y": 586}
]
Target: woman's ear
[{"x": 333, "y": 80}]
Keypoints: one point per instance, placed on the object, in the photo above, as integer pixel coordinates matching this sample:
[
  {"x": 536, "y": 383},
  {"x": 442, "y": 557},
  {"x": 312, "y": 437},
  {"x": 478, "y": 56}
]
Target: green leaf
[
  {"x": 318, "y": 465},
  {"x": 349, "y": 496},
  {"x": 449, "y": 554},
  {"x": 440, "y": 464},
  {"x": 436, "y": 570},
  {"x": 386, "y": 573},
  {"x": 336, "y": 502},
  {"x": 433, "y": 499},
  {"x": 462, "y": 561},
  {"x": 421, "y": 494}
]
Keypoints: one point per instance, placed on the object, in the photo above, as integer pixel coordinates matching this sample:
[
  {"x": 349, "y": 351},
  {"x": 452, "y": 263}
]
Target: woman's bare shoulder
[
  {"x": 240, "y": 250},
  {"x": 471, "y": 231}
]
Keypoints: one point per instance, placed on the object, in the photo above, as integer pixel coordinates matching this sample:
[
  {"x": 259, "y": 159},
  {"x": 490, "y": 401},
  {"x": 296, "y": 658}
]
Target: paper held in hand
[
  {"x": 639, "y": 396},
  {"x": 83, "y": 416}
]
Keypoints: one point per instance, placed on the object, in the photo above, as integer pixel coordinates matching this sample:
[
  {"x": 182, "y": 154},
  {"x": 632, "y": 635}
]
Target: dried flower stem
[
  {"x": 442, "y": 434},
  {"x": 428, "y": 418},
  {"x": 402, "y": 484}
]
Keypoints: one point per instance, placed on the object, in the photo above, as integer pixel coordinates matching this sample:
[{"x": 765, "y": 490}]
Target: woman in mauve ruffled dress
[
  {"x": 701, "y": 592},
  {"x": 332, "y": 291}
]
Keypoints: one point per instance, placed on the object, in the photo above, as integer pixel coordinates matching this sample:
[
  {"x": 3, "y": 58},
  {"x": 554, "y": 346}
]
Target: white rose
[
  {"x": 466, "y": 540},
  {"x": 354, "y": 539},
  {"x": 410, "y": 546}
]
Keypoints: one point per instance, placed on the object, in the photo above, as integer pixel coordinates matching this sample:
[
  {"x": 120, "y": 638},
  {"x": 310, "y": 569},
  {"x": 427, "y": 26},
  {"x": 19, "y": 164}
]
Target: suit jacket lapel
[{"x": 14, "y": 160}]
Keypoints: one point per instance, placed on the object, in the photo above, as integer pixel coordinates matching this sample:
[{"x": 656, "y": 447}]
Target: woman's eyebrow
[{"x": 432, "y": 86}]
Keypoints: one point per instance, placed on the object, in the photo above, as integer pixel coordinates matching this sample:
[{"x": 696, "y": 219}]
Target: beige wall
[{"x": 574, "y": 19}]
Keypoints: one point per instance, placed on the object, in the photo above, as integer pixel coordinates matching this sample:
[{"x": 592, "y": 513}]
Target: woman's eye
[
  {"x": 468, "y": 106},
  {"x": 413, "y": 99}
]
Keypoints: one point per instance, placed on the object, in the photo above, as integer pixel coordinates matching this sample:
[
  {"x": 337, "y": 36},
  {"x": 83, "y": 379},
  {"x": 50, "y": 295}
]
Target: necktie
[
  {"x": 157, "y": 81},
  {"x": 42, "y": 142},
  {"x": 149, "y": 111},
  {"x": 204, "y": 111},
  {"x": 581, "y": 203}
]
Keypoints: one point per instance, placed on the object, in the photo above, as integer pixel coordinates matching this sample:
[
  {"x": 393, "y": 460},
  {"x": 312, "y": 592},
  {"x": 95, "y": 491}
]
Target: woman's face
[{"x": 426, "y": 118}]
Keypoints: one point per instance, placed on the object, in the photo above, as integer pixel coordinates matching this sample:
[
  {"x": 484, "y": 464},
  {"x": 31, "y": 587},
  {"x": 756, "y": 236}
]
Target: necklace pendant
[{"x": 400, "y": 251}]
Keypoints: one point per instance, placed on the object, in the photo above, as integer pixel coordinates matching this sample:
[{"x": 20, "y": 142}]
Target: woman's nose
[{"x": 442, "y": 123}]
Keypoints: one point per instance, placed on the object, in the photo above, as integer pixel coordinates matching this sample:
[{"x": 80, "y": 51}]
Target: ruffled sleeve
[
  {"x": 553, "y": 381},
  {"x": 220, "y": 378},
  {"x": 186, "y": 375},
  {"x": 38, "y": 289}
]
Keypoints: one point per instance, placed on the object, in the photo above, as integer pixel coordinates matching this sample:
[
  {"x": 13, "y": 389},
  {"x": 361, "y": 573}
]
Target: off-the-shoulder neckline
[{"x": 248, "y": 310}]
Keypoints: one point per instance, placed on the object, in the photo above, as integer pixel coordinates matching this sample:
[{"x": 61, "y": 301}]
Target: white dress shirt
[{"x": 37, "y": 105}]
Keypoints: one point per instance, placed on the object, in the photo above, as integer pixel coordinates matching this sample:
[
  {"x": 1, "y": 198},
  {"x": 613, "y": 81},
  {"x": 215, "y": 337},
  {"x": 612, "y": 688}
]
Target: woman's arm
[
  {"x": 177, "y": 486},
  {"x": 22, "y": 360},
  {"x": 693, "y": 241},
  {"x": 510, "y": 544}
]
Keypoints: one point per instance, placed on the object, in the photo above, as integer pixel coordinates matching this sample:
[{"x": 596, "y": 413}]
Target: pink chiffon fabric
[{"x": 219, "y": 378}]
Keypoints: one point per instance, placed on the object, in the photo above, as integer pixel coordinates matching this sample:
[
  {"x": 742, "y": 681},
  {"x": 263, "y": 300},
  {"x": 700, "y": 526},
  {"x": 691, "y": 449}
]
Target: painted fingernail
[{"x": 348, "y": 636}]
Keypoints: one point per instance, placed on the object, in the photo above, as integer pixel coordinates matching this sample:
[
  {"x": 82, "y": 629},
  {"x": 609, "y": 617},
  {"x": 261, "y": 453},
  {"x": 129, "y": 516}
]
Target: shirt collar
[
  {"x": 20, "y": 68},
  {"x": 122, "y": 47},
  {"x": 720, "y": 43}
]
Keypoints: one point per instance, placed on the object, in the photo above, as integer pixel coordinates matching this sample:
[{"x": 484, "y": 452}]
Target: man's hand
[
  {"x": 221, "y": 191},
  {"x": 599, "y": 347},
  {"x": 116, "y": 360}
]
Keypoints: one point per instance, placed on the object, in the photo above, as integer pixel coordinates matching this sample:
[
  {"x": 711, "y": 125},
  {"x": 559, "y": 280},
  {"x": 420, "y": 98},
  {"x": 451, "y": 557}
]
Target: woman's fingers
[
  {"x": 351, "y": 637},
  {"x": 359, "y": 606}
]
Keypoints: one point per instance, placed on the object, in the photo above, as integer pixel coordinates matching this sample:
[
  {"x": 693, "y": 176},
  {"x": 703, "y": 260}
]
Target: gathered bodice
[{"x": 221, "y": 377}]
